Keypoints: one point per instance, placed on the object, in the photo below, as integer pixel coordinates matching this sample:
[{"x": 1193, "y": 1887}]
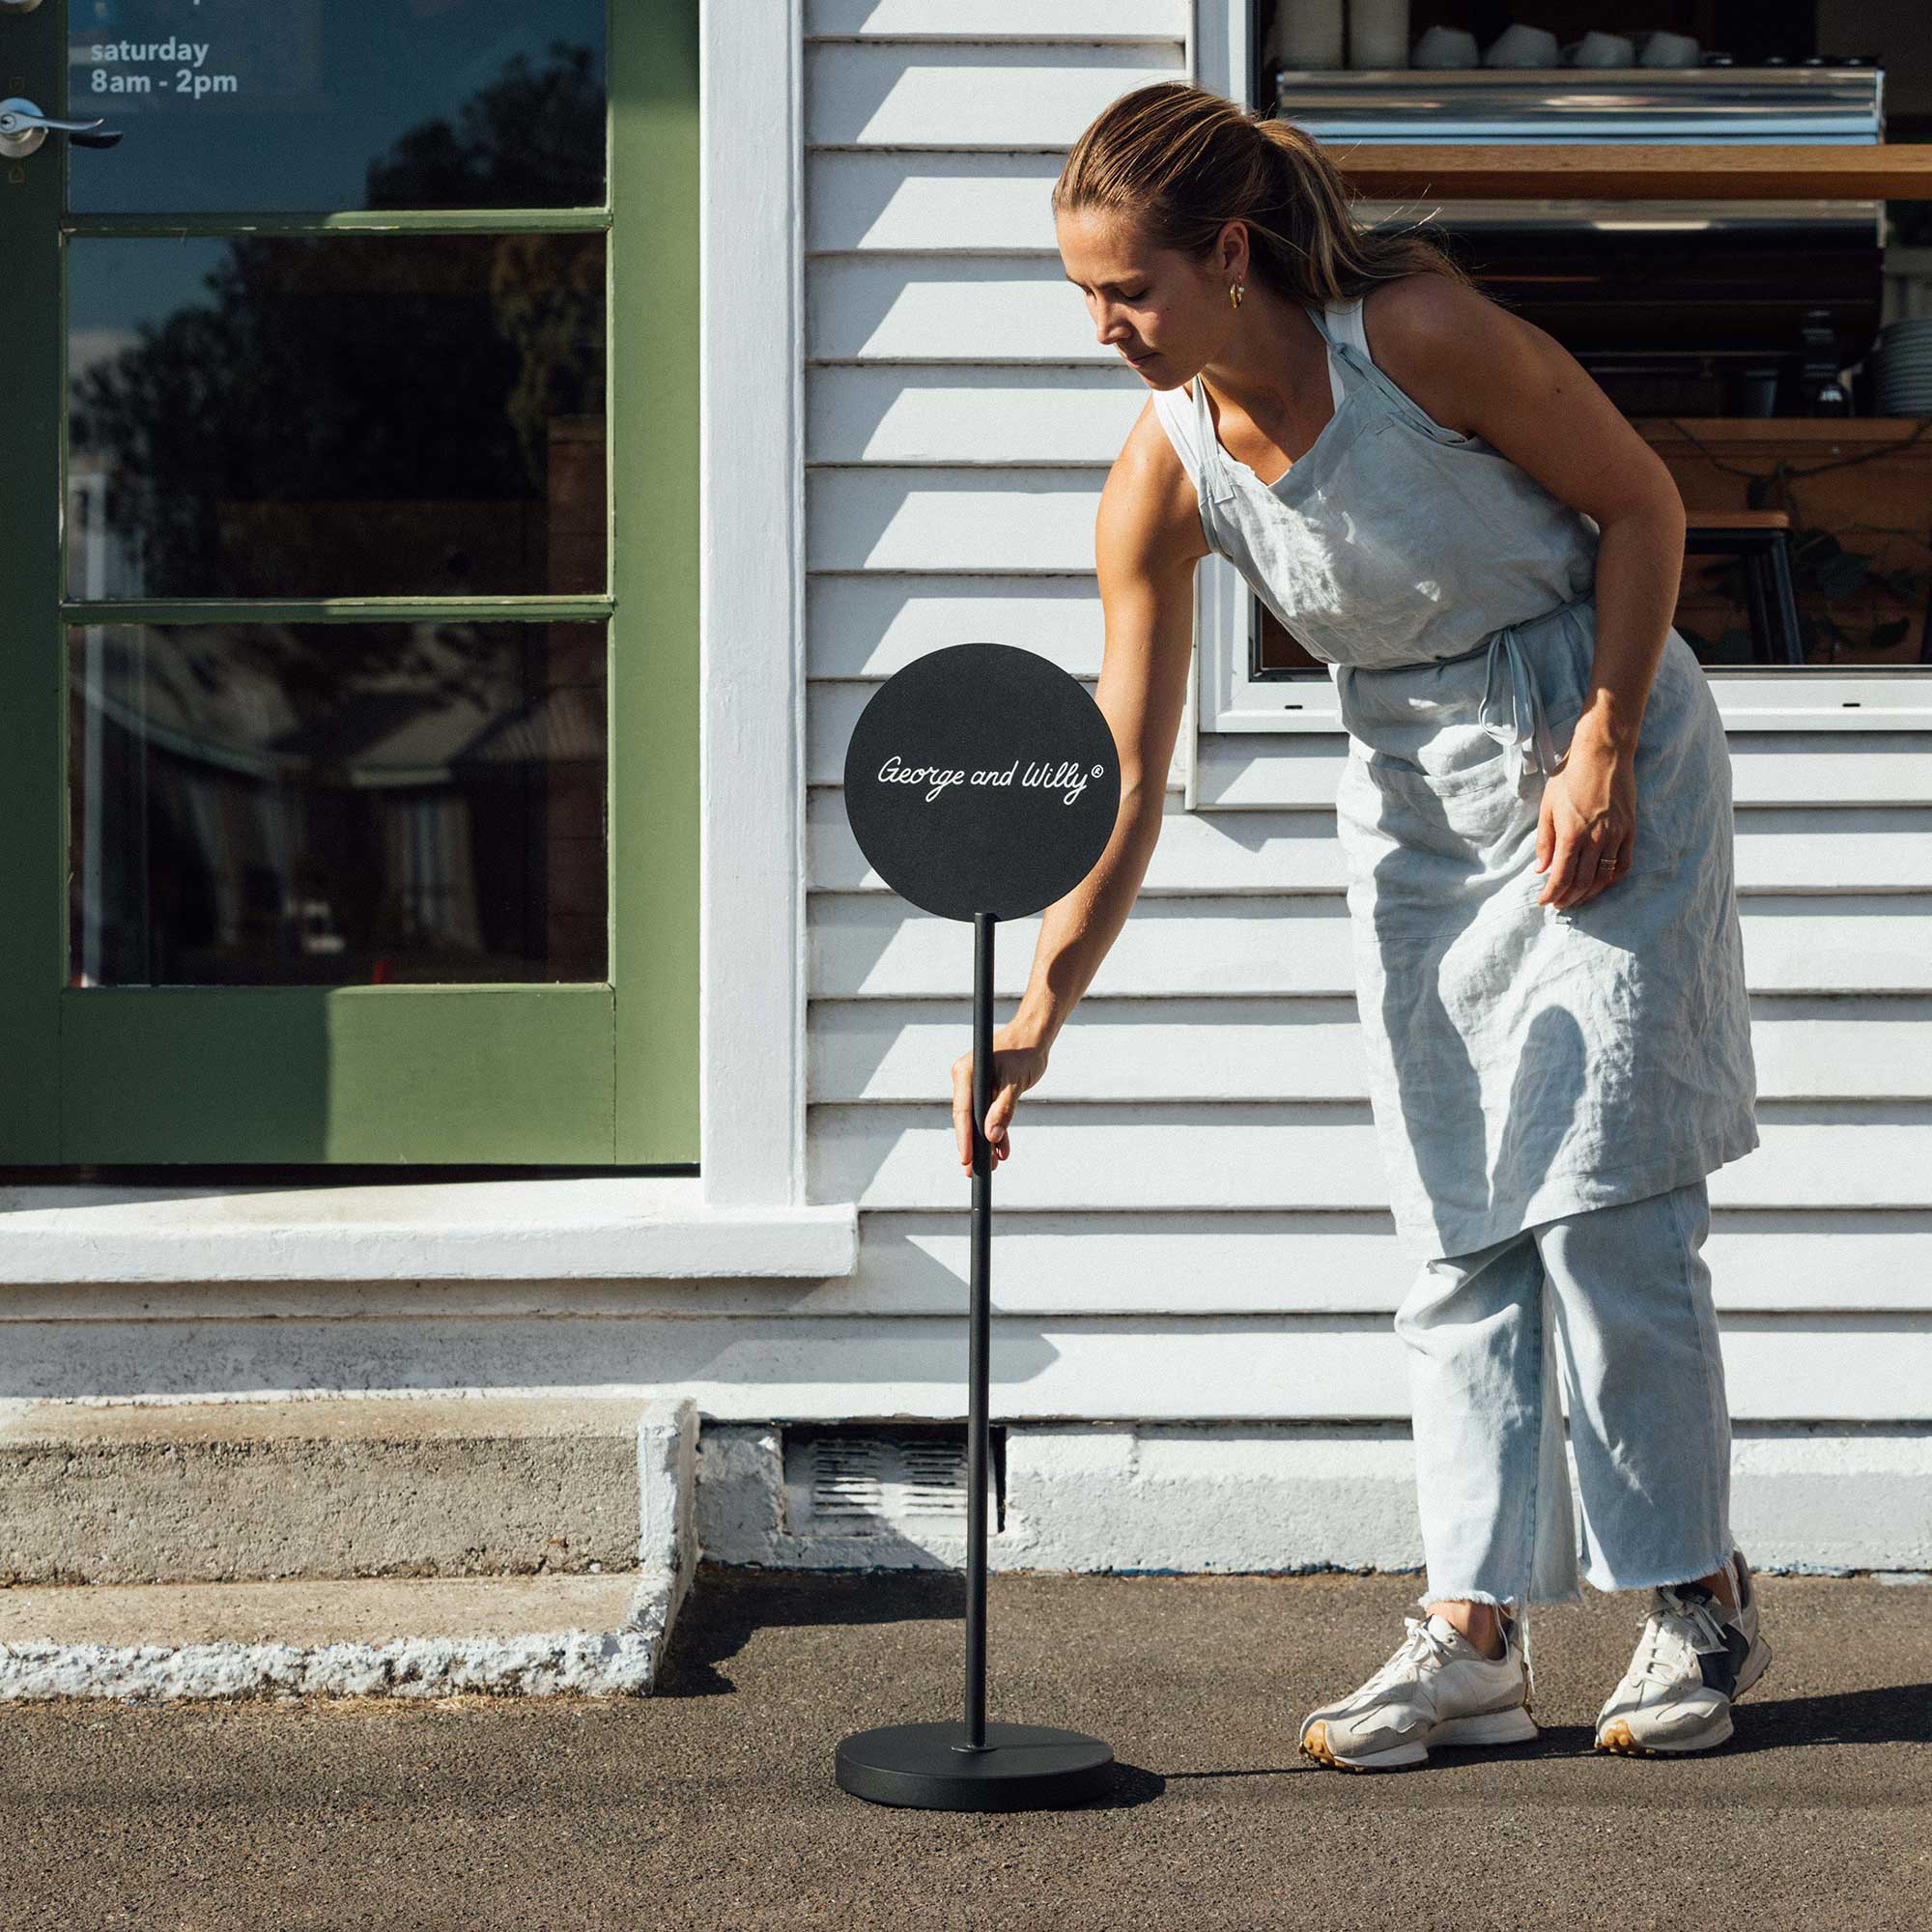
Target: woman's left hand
[{"x": 1587, "y": 823}]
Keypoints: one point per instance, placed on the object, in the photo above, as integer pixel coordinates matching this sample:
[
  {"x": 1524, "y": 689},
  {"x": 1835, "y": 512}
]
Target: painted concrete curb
[{"x": 588, "y": 1662}]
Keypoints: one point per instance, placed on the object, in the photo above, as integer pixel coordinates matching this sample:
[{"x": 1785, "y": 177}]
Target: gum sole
[
  {"x": 1615, "y": 1737},
  {"x": 1316, "y": 1745}
]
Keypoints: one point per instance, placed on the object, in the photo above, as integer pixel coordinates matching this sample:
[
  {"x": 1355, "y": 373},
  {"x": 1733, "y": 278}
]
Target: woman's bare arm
[
  {"x": 1147, "y": 541},
  {"x": 1479, "y": 369}
]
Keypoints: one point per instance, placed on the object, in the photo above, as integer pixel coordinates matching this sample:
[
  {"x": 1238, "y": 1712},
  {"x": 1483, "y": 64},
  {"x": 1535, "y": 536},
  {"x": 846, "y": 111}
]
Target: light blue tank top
[{"x": 1395, "y": 542}]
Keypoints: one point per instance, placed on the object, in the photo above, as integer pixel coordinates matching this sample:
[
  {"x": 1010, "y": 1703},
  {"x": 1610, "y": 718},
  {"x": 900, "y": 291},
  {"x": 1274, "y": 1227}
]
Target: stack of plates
[{"x": 1904, "y": 352}]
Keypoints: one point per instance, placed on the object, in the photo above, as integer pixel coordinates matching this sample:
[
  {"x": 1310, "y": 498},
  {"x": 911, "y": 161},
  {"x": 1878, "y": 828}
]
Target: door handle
[{"x": 23, "y": 128}]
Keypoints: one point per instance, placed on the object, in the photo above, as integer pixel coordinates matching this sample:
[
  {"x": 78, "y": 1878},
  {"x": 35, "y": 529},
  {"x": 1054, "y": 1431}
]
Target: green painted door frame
[{"x": 565, "y": 1073}]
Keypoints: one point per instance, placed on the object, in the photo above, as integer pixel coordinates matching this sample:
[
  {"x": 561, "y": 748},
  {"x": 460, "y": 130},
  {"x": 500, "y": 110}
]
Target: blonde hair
[{"x": 1180, "y": 162}]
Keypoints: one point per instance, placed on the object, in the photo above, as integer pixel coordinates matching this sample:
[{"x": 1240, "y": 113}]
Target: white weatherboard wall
[
  {"x": 1192, "y": 1227},
  {"x": 1195, "y": 1270}
]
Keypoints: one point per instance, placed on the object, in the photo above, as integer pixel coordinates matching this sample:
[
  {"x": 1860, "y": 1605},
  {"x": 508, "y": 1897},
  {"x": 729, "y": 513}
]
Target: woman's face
[{"x": 1157, "y": 311}]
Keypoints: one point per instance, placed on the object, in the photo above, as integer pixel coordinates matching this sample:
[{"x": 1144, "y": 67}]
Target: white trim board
[
  {"x": 1146, "y": 1496},
  {"x": 752, "y": 1052},
  {"x": 1794, "y": 700},
  {"x": 573, "y": 1227},
  {"x": 1869, "y": 1368},
  {"x": 577, "y": 1228}
]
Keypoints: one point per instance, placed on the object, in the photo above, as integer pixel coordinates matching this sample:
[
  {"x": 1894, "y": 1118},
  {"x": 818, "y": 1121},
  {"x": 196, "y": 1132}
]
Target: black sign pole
[
  {"x": 932, "y": 737},
  {"x": 979, "y": 1321}
]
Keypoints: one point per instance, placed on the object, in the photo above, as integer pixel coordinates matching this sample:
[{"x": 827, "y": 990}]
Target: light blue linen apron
[{"x": 1524, "y": 1063}]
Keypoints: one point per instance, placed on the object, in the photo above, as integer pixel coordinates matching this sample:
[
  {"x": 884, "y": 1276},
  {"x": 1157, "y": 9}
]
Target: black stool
[{"x": 1762, "y": 539}]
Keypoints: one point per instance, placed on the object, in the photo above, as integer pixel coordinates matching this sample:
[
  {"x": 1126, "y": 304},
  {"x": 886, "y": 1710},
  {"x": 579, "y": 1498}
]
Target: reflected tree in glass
[
  {"x": 534, "y": 139},
  {"x": 355, "y": 415},
  {"x": 358, "y": 381}
]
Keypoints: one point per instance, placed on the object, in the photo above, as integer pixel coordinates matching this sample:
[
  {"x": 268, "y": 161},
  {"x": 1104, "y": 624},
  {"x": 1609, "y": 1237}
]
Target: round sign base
[{"x": 1022, "y": 1767}]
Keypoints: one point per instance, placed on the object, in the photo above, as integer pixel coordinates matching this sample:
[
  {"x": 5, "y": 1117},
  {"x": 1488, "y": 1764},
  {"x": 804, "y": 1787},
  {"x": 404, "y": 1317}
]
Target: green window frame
[{"x": 563, "y": 1074}]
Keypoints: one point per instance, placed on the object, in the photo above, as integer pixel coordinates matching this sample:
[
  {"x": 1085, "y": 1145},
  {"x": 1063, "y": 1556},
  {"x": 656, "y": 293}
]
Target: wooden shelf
[
  {"x": 1820, "y": 432},
  {"x": 1668, "y": 171}
]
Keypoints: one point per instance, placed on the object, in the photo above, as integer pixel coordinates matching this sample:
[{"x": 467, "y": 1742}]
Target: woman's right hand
[{"x": 1018, "y": 1062}]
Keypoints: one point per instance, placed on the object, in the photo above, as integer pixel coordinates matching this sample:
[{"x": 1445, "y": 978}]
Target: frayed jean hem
[
  {"x": 1607, "y": 1586},
  {"x": 1710, "y": 1569},
  {"x": 1428, "y": 1596}
]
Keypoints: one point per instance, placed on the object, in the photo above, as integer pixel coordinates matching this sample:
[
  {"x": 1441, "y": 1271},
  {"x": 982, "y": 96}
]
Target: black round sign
[{"x": 982, "y": 777}]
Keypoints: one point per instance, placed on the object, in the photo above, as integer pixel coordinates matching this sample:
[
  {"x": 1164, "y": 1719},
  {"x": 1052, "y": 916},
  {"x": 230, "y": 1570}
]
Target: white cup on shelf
[
  {"x": 1306, "y": 35},
  {"x": 1663, "y": 49},
  {"x": 1600, "y": 49},
  {"x": 1444, "y": 46},
  {"x": 1377, "y": 33},
  {"x": 1518, "y": 45}
]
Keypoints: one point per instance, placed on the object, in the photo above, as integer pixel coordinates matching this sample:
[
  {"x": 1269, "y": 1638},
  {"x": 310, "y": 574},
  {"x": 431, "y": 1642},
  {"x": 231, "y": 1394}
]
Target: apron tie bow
[{"x": 1525, "y": 732}]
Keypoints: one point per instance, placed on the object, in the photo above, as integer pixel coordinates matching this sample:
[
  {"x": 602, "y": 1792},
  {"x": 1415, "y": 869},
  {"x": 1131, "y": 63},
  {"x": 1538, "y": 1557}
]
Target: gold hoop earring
[{"x": 1236, "y": 290}]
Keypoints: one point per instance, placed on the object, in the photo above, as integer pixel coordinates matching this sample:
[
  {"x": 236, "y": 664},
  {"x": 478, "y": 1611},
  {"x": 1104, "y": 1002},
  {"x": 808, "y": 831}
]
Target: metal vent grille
[{"x": 863, "y": 1479}]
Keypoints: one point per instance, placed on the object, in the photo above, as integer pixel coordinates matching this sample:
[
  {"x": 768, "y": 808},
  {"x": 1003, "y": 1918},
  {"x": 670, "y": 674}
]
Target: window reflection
[
  {"x": 336, "y": 804},
  {"x": 335, "y": 414},
  {"x": 301, "y": 105}
]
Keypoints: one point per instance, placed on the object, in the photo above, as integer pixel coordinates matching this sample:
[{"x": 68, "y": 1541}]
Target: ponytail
[{"x": 1181, "y": 163}]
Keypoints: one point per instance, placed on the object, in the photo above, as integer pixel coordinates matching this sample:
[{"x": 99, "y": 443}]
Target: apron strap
[
  {"x": 1215, "y": 471},
  {"x": 1400, "y": 402}
]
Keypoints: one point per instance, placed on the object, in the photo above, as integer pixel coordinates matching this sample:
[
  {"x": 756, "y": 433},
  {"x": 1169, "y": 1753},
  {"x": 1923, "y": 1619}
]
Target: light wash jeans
[{"x": 1626, "y": 1292}]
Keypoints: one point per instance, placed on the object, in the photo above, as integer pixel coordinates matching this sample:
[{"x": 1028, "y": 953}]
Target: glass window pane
[
  {"x": 260, "y": 804},
  {"x": 335, "y": 415},
  {"x": 298, "y": 104}
]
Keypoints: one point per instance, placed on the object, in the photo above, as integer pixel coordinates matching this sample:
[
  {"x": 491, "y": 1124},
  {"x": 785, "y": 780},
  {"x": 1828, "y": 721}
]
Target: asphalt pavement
[{"x": 712, "y": 1803}]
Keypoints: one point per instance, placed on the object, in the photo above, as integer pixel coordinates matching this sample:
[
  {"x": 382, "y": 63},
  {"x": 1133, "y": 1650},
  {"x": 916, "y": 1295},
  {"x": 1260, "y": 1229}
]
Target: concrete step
[
  {"x": 435, "y": 1636},
  {"x": 597, "y": 1632},
  {"x": 336, "y": 1486}
]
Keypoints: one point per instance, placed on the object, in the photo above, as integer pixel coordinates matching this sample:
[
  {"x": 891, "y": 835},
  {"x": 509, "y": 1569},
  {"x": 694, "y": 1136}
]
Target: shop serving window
[
  {"x": 351, "y": 720},
  {"x": 1772, "y": 341}
]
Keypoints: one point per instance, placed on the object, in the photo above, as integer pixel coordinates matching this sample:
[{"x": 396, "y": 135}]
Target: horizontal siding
[
  {"x": 869, "y": 626},
  {"x": 1185, "y": 1369},
  {"x": 1866, "y": 777},
  {"x": 906, "y": 93},
  {"x": 1274, "y": 1261},
  {"x": 871, "y": 946},
  {"x": 939, "y": 519},
  {"x": 1779, "y": 849},
  {"x": 994, "y": 417},
  {"x": 993, "y": 203},
  {"x": 1193, "y": 1221},
  {"x": 1308, "y": 1049},
  {"x": 1003, "y": 20},
  {"x": 1151, "y": 1155},
  {"x": 938, "y": 308}
]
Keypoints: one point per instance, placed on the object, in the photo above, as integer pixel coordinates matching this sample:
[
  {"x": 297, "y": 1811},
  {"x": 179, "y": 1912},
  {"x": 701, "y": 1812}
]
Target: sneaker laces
[
  {"x": 1674, "y": 1632},
  {"x": 1422, "y": 1645}
]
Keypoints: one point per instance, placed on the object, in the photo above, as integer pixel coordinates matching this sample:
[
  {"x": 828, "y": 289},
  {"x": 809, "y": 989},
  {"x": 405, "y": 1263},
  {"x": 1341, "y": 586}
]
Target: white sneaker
[
  {"x": 1438, "y": 1689},
  {"x": 1696, "y": 1655}
]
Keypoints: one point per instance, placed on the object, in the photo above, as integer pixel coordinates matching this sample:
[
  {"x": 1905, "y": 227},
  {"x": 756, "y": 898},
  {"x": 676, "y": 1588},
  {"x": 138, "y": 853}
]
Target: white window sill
[
  {"x": 1765, "y": 700},
  {"x": 623, "y": 1227}
]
